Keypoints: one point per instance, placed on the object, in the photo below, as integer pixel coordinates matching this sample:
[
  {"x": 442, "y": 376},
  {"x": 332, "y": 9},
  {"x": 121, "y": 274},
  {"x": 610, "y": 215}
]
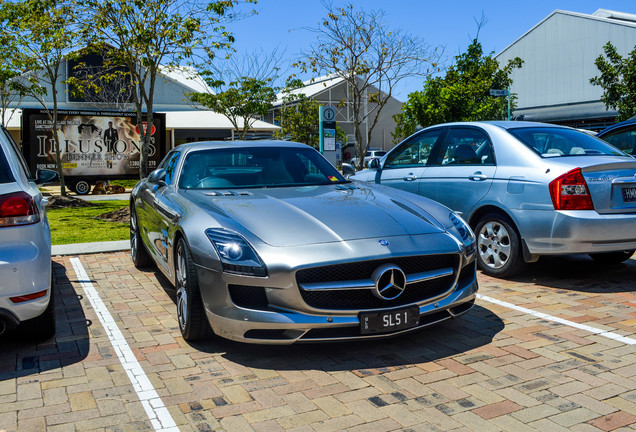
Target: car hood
[{"x": 318, "y": 214}]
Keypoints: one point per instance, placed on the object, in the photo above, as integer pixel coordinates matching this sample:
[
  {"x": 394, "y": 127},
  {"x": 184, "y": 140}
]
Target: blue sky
[{"x": 445, "y": 23}]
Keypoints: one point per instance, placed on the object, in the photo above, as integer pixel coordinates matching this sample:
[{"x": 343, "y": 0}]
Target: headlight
[
  {"x": 466, "y": 235},
  {"x": 237, "y": 256}
]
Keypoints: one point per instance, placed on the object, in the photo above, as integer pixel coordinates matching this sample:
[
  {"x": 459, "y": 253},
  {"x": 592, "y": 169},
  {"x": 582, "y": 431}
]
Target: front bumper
[
  {"x": 278, "y": 313},
  {"x": 576, "y": 231}
]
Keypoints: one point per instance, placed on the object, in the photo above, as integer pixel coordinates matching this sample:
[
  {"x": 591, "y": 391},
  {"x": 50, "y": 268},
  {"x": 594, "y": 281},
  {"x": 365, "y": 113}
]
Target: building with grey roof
[{"x": 559, "y": 53}]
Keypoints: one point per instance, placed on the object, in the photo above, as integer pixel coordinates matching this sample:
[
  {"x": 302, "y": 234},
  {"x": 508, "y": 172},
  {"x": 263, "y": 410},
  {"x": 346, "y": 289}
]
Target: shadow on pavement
[
  {"x": 20, "y": 356},
  {"x": 580, "y": 273},
  {"x": 472, "y": 330},
  {"x": 475, "y": 329}
]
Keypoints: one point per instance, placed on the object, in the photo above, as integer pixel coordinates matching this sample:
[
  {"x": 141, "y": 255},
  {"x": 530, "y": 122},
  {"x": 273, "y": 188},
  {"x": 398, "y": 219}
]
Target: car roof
[
  {"x": 618, "y": 126},
  {"x": 209, "y": 145},
  {"x": 504, "y": 124}
]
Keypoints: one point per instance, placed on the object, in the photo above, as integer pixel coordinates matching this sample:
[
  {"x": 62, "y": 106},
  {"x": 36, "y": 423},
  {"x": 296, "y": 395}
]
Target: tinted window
[
  {"x": 557, "y": 142},
  {"x": 6, "y": 176},
  {"x": 170, "y": 164},
  {"x": 256, "y": 167},
  {"x": 465, "y": 147},
  {"x": 415, "y": 151},
  {"x": 623, "y": 139},
  {"x": 5, "y": 172},
  {"x": 13, "y": 147}
]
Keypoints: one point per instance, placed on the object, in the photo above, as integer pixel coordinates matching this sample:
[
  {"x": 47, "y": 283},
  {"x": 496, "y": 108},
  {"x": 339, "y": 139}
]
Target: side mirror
[
  {"x": 45, "y": 176},
  {"x": 375, "y": 164},
  {"x": 158, "y": 177},
  {"x": 348, "y": 170}
]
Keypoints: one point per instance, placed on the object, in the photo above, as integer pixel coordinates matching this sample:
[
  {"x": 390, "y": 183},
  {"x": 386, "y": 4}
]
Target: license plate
[
  {"x": 629, "y": 194},
  {"x": 389, "y": 321}
]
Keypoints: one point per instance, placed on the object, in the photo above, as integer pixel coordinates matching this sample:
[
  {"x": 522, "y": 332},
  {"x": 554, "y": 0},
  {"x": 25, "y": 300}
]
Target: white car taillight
[
  {"x": 569, "y": 192},
  {"x": 18, "y": 209}
]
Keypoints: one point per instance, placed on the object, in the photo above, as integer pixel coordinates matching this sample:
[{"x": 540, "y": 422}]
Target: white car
[
  {"x": 368, "y": 157},
  {"x": 26, "y": 300}
]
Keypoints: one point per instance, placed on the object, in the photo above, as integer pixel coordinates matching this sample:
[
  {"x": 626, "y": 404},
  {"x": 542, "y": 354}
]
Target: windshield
[
  {"x": 560, "y": 142},
  {"x": 256, "y": 167}
]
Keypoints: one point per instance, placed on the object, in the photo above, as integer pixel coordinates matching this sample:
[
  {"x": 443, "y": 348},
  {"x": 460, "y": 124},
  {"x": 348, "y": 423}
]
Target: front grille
[
  {"x": 467, "y": 275},
  {"x": 248, "y": 297},
  {"x": 350, "y": 299}
]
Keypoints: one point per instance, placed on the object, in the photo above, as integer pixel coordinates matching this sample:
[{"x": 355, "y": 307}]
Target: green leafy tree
[
  {"x": 9, "y": 94},
  {"x": 463, "y": 94},
  {"x": 618, "y": 80},
  {"x": 45, "y": 32},
  {"x": 242, "y": 102},
  {"x": 299, "y": 118},
  {"x": 371, "y": 58},
  {"x": 147, "y": 36}
]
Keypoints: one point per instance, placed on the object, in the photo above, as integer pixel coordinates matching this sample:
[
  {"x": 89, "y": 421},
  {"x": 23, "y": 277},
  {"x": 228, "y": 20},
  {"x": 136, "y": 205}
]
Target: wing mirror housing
[
  {"x": 158, "y": 177},
  {"x": 375, "y": 164},
  {"x": 46, "y": 176},
  {"x": 348, "y": 170}
]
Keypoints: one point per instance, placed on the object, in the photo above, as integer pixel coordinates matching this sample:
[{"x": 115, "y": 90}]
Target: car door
[
  {"x": 406, "y": 164},
  {"x": 151, "y": 214},
  {"x": 461, "y": 169}
]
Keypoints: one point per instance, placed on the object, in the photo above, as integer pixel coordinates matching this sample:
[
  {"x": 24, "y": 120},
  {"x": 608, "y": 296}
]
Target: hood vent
[{"x": 228, "y": 193}]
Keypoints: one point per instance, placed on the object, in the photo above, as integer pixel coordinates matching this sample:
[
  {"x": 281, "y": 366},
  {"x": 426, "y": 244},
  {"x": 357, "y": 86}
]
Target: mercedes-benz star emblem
[{"x": 390, "y": 282}]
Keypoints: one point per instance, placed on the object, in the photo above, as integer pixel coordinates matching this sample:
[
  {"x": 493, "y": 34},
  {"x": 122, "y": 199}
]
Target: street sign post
[
  {"x": 499, "y": 93},
  {"x": 328, "y": 146}
]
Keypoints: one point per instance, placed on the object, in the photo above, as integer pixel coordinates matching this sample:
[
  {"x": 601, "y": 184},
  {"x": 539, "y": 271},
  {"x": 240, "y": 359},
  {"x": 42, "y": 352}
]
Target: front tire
[
  {"x": 193, "y": 321},
  {"x": 498, "y": 246},
  {"x": 612, "y": 257},
  {"x": 140, "y": 256}
]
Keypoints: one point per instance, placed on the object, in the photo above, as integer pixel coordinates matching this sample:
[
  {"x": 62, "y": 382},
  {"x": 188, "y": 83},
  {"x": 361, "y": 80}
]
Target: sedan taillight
[
  {"x": 18, "y": 209},
  {"x": 569, "y": 192}
]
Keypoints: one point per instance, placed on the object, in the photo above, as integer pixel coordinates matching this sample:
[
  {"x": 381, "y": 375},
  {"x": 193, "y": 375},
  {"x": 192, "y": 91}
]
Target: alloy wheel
[
  {"x": 182, "y": 292},
  {"x": 494, "y": 245}
]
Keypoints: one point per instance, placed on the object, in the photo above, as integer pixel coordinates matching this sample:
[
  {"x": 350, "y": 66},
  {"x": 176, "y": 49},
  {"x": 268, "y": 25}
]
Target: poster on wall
[{"x": 98, "y": 143}]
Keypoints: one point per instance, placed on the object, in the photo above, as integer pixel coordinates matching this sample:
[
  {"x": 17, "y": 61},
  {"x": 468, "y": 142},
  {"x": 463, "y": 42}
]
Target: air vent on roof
[{"x": 620, "y": 16}]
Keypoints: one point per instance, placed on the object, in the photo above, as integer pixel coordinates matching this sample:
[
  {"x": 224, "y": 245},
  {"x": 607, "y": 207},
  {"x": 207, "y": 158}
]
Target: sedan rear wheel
[
  {"x": 499, "y": 251},
  {"x": 193, "y": 321},
  {"x": 613, "y": 257}
]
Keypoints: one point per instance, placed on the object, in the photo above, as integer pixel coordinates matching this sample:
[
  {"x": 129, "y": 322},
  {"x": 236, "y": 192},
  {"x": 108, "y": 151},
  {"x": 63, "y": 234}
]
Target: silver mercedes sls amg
[{"x": 266, "y": 242}]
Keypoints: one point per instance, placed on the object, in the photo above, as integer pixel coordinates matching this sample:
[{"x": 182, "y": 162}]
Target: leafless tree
[{"x": 359, "y": 47}]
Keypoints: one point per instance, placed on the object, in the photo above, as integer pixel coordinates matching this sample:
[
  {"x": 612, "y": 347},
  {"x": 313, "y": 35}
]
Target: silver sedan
[
  {"x": 527, "y": 189},
  {"x": 266, "y": 242}
]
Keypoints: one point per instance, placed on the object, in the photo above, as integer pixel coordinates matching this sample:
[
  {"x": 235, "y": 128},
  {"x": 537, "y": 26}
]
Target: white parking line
[
  {"x": 158, "y": 414},
  {"x": 604, "y": 333}
]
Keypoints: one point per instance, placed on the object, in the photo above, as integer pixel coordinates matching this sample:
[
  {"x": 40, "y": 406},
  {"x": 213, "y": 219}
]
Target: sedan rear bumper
[
  {"x": 575, "y": 231},
  {"x": 25, "y": 269}
]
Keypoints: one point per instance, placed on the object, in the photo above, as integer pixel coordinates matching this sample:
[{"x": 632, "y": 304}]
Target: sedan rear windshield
[
  {"x": 256, "y": 167},
  {"x": 5, "y": 171},
  {"x": 559, "y": 142}
]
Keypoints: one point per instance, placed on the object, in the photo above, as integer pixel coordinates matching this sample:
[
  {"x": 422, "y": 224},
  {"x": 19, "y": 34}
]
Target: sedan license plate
[
  {"x": 389, "y": 321},
  {"x": 629, "y": 194}
]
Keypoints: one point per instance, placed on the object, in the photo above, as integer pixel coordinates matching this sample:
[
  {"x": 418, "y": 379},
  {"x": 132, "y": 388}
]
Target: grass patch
[
  {"x": 80, "y": 225},
  {"x": 128, "y": 184}
]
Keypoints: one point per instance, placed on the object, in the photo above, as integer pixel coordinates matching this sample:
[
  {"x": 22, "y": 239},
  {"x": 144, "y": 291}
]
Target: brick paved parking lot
[{"x": 118, "y": 363}]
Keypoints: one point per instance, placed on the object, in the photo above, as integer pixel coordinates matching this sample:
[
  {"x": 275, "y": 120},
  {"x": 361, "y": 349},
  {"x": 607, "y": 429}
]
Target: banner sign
[{"x": 91, "y": 142}]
